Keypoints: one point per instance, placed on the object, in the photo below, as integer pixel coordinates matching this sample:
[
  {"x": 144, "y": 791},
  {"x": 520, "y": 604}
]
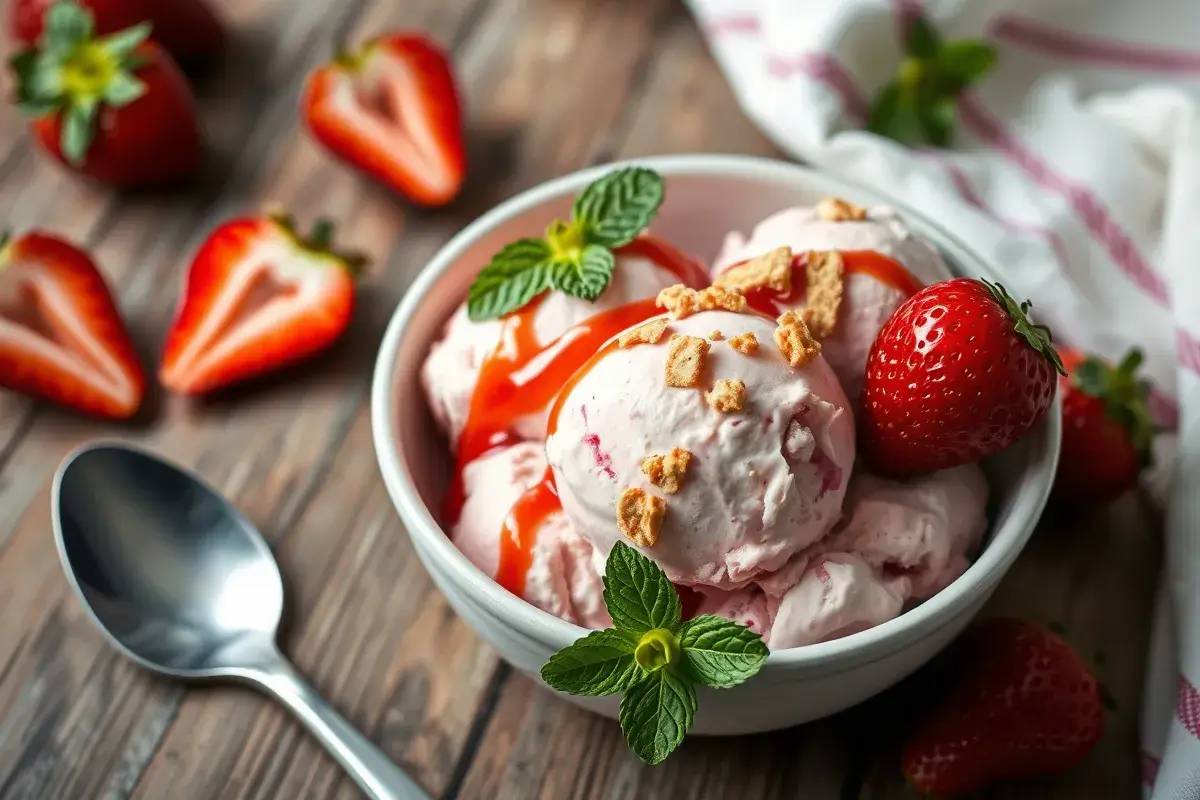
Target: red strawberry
[
  {"x": 116, "y": 109},
  {"x": 257, "y": 297},
  {"x": 1024, "y": 704},
  {"x": 61, "y": 336},
  {"x": 956, "y": 374},
  {"x": 1108, "y": 433},
  {"x": 188, "y": 29},
  {"x": 391, "y": 109}
]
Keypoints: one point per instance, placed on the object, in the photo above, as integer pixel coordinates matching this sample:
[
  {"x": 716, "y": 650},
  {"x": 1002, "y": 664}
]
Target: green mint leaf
[
  {"x": 720, "y": 653},
  {"x": 638, "y": 595},
  {"x": 618, "y": 206},
  {"x": 656, "y": 714},
  {"x": 77, "y": 133},
  {"x": 937, "y": 119},
  {"x": 123, "y": 89},
  {"x": 122, "y": 43},
  {"x": 922, "y": 39},
  {"x": 66, "y": 25},
  {"x": 586, "y": 278},
  {"x": 601, "y": 663},
  {"x": 517, "y": 274},
  {"x": 894, "y": 114},
  {"x": 965, "y": 60}
]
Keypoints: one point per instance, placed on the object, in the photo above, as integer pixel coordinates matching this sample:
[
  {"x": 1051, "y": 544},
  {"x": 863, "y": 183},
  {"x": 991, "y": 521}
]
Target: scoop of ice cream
[
  {"x": 868, "y": 300},
  {"x": 925, "y": 529},
  {"x": 838, "y": 594},
  {"x": 561, "y": 578},
  {"x": 761, "y": 481},
  {"x": 451, "y": 370},
  {"x": 747, "y": 606}
]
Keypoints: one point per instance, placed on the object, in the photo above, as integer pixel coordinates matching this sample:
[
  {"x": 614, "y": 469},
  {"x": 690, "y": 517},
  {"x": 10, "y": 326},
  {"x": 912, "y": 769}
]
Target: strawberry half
[
  {"x": 1108, "y": 433},
  {"x": 956, "y": 374},
  {"x": 257, "y": 297},
  {"x": 1024, "y": 704},
  {"x": 188, "y": 29},
  {"x": 61, "y": 336},
  {"x": 116, "y": 108},
  {"x": 391, "y": 109}
]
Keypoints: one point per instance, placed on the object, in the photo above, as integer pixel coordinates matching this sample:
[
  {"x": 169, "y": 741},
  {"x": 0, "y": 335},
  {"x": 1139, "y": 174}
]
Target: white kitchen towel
[{"x": 1076, "y": 171}]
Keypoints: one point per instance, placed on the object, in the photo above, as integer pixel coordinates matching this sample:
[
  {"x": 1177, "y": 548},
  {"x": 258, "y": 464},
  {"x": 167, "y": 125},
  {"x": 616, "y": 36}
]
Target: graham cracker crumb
[
  {"x": 835, "y": 209},
  {"x": 727, "y": 396},
  {"x": 794, "y": 339},
  {"x": 772, "y": 270},
  {"x": 716, "y": 336},
  {"x": 667, "y": 471},
  {"x": 681, "y": 301},
  {"x": 825, "y": 274},
  {"x": 640, "y": 516},
  {"x": 745, "y": 343},
  {"x": 685, "y": 361},
  {"x": 647, "y": 333}
]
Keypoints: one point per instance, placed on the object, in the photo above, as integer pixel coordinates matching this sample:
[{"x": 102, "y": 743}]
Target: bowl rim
[{"x": 881, "y": 640}]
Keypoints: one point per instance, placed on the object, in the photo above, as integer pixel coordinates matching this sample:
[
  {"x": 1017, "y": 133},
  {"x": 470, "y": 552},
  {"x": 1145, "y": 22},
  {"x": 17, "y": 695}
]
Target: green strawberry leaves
[
  {"x": 1038, "y": 336},
  {"x": 1125, "y": 397},
  {"x": 574, "y": 257},
  {"x": 74, "y": 74},
  {"x": 651, "y": 658},
  {"x": 919, "y": 105}
]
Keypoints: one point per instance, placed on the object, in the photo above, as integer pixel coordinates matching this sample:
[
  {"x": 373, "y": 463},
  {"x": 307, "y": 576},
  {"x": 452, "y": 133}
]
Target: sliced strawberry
[
  {"x": 257, "y": 297},
  {"x": 392, "y": 110},
  {"x": 61, "y": 336}
]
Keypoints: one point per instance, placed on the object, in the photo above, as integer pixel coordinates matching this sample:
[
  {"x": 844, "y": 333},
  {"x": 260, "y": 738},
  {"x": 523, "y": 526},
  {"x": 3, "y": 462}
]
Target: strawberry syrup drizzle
[
  {"x": 507, "y": 389},
  {"x": 886, "y": 270}
]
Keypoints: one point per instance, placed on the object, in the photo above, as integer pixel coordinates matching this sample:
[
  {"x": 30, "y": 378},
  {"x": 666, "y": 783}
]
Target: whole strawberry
[
  {"x": 958, "y": 373},
  {"x": 114, "y": 108},
  {"x": 1108, "y": 433},
  {"x": 1025, "y": 704}
]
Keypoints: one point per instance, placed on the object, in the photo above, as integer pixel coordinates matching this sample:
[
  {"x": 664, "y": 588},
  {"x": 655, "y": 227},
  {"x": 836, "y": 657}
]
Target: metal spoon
[{"x": 184, "y": 585}]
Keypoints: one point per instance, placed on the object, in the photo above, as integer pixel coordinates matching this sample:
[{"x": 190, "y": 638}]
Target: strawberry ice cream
[
  {"x": 885, "y": 264},
  {"x": 451, "y": 371},
  {"x": 762, "y": 482}
]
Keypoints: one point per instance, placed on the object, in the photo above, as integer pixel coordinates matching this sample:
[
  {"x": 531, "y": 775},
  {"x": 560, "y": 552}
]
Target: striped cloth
[{"x": 1077, "y": 173}]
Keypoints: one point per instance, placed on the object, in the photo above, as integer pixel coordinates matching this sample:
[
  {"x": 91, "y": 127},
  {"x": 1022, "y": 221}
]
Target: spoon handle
[{"x": 370, "y": 768}]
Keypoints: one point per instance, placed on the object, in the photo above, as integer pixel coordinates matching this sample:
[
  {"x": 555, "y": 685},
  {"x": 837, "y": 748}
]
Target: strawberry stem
[
  {"x": 1038, "y": 336},
  {"x": 319, "y": 241},
  {"x": 1125, "y": 397}
]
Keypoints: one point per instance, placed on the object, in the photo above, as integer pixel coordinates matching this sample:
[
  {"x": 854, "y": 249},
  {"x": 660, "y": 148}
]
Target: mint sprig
[
  {"x": 574, "y": 257},
  {"x": 653, "y": 658},
  {"x": 919, "y": 105}
]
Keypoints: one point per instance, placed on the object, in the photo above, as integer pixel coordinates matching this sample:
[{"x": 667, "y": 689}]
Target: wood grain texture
[{"x": 550, "y": 86}]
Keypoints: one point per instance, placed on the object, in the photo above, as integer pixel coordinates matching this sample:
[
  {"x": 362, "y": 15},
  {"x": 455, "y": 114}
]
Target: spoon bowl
[{"x": 178, "y": 580}]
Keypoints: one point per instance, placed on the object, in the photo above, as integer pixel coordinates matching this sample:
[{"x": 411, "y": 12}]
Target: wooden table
[{"x": 551, "y": 85}]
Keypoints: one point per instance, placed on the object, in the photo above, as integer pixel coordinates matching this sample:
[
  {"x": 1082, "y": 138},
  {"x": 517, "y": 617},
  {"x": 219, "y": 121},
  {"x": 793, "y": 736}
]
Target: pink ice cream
[
  {"x": 452, "y": 368},
  {"x": 561, "y": 579},
  {"x": 867, "y": 301},
  {"x": 763, "y": 483}
]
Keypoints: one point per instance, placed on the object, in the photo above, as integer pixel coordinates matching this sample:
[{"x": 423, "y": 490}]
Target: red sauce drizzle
[
  {"x": 507, "y": 389},
  {"x": 863, "y": 262}
]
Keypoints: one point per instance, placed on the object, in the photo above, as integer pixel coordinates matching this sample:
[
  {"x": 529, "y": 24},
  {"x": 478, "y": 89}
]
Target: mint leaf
[
  {"x": 600, "y": 663},
  {"x": 586, "y": 278},
  {"x": 720, "y": 653},
  {"x": 922, "y": 39},
  {"x": 517, "y": 274},
  {"x": 123, "y": 89},
  {"x": 77, "y": 133},
  {"x": 656, "y": 714},
  {"x": 966, "y": 60},
  {"x": 618, "y": 206},
  {"x": 638, "y": 595},
  {"x": 122, "y": 43}
]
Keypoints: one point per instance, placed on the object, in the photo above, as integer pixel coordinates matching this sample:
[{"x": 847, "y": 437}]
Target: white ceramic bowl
[{"x": 706, "y": 196}]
